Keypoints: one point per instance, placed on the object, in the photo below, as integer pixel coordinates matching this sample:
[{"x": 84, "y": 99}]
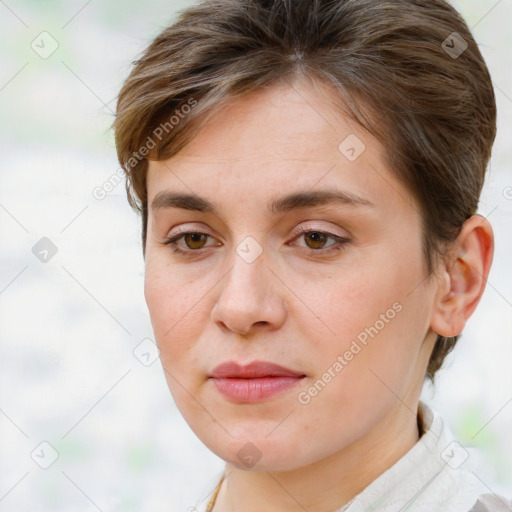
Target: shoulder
[{"x": 492, "y": 503}]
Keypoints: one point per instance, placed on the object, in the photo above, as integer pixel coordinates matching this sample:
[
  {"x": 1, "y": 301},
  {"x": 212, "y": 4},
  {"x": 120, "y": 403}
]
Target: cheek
[
  {"x": 347, "y": 305},
  {"x": 178, "y": 308},
  {"x": 358, "y": 377},
  {"x": 177, "y": 311},
  {"x": 376, "y": 325}
]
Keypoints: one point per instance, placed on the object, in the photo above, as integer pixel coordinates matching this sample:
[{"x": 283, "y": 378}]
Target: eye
[
  {"x": 316, "y": 240},
  {"x": 194, "y": 241}
]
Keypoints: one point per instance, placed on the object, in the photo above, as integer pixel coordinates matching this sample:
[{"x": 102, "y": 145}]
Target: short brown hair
[{"x": 409, "y": 71}]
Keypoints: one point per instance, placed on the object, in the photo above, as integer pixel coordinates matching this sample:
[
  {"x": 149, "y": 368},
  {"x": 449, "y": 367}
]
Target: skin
[{"x": 300, "y": 304}]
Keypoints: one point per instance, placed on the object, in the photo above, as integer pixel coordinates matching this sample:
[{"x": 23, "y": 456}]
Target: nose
[{"x": 250, "y": 298}]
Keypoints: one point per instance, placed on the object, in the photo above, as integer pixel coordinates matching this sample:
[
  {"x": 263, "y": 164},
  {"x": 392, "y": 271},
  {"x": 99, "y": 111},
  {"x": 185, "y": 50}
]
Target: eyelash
[{"x": 171, "y": 241}]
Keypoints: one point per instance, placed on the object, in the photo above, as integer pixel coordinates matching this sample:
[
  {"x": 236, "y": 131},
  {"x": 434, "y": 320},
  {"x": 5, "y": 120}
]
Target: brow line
[{"x": 296, "y": 200}]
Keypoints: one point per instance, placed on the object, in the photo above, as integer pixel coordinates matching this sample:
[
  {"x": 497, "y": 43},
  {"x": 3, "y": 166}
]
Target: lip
[
  {"x": 255, "y": 382},
  {"x": 253, "y": 370}
]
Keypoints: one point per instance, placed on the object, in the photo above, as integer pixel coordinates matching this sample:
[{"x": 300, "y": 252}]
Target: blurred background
[{"x": 86, "y": 419}]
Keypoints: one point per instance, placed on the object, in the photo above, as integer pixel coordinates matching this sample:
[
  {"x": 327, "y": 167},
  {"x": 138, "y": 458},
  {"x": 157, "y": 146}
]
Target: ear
[{"x": 463, "y": 277}]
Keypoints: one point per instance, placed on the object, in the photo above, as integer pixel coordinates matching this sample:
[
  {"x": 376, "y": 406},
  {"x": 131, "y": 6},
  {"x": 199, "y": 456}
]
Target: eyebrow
[{"x": 296, "y": 200}]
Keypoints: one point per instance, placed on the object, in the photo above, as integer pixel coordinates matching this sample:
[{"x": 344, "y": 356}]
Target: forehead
[
  {"x": 281, "y": 137},
  {"x": 287, "y": 119}
]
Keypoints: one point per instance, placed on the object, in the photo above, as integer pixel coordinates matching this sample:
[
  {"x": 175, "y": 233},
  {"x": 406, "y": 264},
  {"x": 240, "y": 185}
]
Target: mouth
[
  {"x": 255, "y": 382},
  {"x": 254, "y": 370}
]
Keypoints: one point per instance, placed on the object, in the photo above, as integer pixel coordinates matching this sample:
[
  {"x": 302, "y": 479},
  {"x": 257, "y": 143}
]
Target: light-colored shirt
[{"x": 437, "y": 474}]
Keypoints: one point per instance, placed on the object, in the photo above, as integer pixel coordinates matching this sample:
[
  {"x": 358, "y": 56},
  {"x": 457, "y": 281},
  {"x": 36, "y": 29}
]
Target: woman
[{"x": 308, "y": 175}]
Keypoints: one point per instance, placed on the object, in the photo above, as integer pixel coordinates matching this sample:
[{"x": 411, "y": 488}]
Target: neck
[{"x": 328, "y": 484}]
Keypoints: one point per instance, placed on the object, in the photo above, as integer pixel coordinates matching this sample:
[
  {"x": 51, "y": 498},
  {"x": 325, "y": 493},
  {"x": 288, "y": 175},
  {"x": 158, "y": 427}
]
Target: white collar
[{"x": 437, "y": 473}]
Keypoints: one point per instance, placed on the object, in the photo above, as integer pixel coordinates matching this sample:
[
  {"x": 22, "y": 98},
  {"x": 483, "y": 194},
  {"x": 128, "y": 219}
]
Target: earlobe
[{"x": 464, "y": 277}]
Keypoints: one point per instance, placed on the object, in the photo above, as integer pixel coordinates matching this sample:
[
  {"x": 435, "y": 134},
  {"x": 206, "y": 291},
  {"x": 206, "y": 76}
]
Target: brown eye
[
  {"x": 195, "y": 240},
  {"x": 317, "y": 239}
]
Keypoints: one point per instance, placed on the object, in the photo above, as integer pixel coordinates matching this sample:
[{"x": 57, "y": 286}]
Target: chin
[{"x": 257, "y": 453}]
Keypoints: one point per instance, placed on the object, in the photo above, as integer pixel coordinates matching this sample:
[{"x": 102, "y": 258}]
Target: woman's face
[{"x": 344, "y": 304}]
